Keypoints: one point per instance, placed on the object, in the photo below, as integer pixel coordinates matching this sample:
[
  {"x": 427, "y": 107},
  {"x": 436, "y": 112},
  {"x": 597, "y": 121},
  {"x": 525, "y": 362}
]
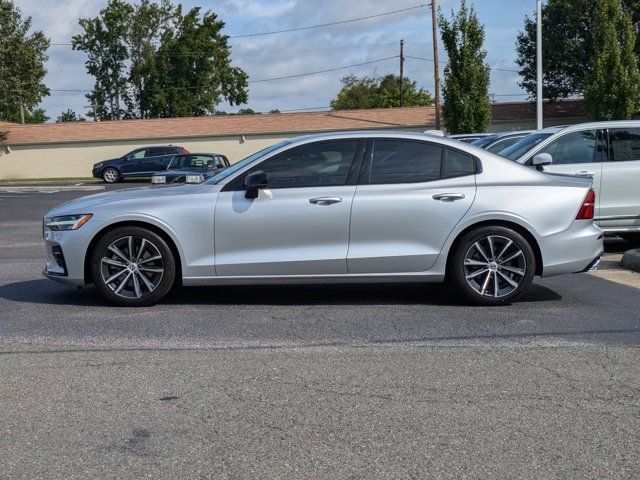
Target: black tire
[
  {"x": 111, "y": 175},
  {"x": 147, "y": 245},
  {"x": 632, "y": 238},
  {"x": 489, "y": 277}
]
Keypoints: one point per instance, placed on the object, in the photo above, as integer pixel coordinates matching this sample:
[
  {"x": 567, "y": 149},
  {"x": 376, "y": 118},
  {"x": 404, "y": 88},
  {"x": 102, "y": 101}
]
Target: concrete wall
[{"x": 76, "y": 159}]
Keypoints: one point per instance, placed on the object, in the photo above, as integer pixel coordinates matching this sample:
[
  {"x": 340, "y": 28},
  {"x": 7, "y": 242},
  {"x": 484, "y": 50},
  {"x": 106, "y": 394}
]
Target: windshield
[
  {"x": 246, "y": 161},
  {"x": 203, "y": 162},
  {"x": 481, "y": 142},
  {"x": 518, "y": 149}
]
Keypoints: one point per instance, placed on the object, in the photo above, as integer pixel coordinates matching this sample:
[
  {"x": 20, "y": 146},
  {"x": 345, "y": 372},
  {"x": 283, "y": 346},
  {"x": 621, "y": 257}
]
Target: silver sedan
[{"x": 345, "y": 207}]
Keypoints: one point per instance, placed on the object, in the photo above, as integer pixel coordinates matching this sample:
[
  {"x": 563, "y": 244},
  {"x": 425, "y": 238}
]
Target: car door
[
  {"x": 578, "y": 153},
  {"x": 132, "y": 163},
  {"x": 299, "y": 224},
  {"x": 410, "y": 196},
  {"x": 619, "y": 198},
  {"x": 154, "y": 160}
]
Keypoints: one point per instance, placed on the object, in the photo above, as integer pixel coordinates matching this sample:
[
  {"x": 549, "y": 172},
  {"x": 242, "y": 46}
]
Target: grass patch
[{"x": 49, "y": 180}]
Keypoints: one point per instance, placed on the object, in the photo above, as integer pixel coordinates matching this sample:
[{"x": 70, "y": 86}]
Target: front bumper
[
  {"x": 65, "y": 253},
  {"x": 96, "y": 172}
]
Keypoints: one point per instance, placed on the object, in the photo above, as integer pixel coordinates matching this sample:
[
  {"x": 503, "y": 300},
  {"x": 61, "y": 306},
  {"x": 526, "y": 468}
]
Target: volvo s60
[{"x": 344, "y": 207}]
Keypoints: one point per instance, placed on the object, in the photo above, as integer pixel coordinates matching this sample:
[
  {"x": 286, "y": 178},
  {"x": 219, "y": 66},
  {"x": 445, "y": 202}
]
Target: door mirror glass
[
  {"x": 541, "y": 159},
  {"x": 254, "y": 182}
]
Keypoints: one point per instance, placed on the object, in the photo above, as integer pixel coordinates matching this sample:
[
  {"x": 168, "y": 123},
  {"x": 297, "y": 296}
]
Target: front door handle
[
  {"x": 584, "y": 173},
  {"x": 325, "y": 200},
  {"x": 448, "y": 197}
]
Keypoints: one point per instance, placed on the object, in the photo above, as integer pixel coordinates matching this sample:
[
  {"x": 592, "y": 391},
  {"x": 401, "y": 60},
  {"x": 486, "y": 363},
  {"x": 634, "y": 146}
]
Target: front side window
[
  {"x": 318, "y": 164},
  {"x": 624, "y": 144},
  {"x": 136, "y": 154},
  {"x": 577, "y": 147},
  {"x": 398, "y": 161}
]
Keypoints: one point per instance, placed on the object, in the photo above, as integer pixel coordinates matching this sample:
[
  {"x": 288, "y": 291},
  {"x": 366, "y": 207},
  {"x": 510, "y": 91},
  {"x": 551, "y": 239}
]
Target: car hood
[{"x": 91, "y": 203}]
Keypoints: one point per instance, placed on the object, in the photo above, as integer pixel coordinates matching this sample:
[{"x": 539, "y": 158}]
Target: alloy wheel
[
  {"x": 110, "y": 175},
  {"x": 495, "y": 266},
  {"x": 132, "y": 267}
]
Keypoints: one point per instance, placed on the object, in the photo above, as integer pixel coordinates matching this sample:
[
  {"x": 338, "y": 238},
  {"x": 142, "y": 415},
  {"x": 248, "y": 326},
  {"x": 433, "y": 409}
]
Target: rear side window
[
  {"x": 155, "y": 151},
  {"x": 624, "y": 144},
  {"x": 457, "y": 164},
  {"x": 398, "y": 161}
]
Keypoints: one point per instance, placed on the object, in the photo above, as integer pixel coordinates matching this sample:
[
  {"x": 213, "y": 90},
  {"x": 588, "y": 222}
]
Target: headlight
[
  {"x": 159, "y": 179},
  {"x": 97, "y": 165},
  {"x": 66, "y": 222},
  {"x": 194, "y": 179}
]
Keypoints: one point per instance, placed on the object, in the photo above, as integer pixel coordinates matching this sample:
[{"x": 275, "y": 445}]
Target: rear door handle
[
  {"x": 584, "y": 173},
  {"x": 325, "y": 200},
  {"x": 448, "y": 197}
]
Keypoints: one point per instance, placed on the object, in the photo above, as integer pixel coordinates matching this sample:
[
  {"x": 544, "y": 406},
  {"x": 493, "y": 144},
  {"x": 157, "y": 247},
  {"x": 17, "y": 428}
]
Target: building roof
[
  {"x": 273, "y": 123},
  {"x": 219, "y": 125}
]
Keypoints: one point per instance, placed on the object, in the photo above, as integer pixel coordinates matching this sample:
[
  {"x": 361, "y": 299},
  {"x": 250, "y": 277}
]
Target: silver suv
[{"x": 608, "y": 152}]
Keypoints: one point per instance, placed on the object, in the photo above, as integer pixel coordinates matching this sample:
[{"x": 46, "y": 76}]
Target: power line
[
  {"x": 330, "y": 24},
  {"x": 309, "y": 27},
  {"x": 323, "y": 71},
  {"x": 492, "y": 68}
]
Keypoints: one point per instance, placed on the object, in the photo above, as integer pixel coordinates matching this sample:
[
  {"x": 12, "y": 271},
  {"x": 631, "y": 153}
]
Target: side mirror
[
  {"x": 254, "y": 182},
  {"x": 541, "y": 159}
]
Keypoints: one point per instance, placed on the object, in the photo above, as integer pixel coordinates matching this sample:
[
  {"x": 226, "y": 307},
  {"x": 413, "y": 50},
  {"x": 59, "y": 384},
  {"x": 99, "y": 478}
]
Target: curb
[{"x": 631, "y": 260}]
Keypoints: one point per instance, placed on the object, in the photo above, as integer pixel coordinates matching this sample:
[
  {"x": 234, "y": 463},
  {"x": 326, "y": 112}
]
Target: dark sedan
[
  {"x": 141, "y": 162},
  {"x": 191, "y": 164}
]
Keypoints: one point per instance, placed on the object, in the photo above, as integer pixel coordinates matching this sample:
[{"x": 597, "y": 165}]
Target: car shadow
[{"x": 46, "y": 292}]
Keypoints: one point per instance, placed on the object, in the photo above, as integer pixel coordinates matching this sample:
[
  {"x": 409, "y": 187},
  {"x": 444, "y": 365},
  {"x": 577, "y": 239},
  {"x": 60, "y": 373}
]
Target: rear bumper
[{"x": 577, "y": 249}]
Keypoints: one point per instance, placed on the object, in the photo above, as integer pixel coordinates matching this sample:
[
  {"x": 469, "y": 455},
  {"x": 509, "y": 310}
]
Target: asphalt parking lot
[{"x": 393, "y": 381}]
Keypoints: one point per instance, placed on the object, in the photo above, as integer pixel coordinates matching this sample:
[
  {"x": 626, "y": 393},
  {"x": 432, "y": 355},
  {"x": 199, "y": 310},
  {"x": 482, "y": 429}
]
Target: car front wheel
[
  {"x": 492, "y": 265},
  {"x": 133, "y": 266},
  {"x": 110, "y": 175}
]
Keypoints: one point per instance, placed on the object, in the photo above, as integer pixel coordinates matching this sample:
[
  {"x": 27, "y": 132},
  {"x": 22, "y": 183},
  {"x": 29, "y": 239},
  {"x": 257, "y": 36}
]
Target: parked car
[
  {"x": 141, "y": 162},
  {"x": 608, "y": 153},
  {"x": 203, "y": 164},
  {"x": 337, "y": 207},
  {"x": 528, "y": 143},
  {"x": 499, "y": 141},
  {"x": 469, "y": 137}
]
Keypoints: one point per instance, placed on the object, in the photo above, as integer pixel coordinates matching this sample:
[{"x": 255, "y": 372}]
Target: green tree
[
  {"x": 246, "y": 111},
  {"x": 466, "y": 76},
  {"x": 378, "y": 92},
  {"x": 150, "y": 60},
  {"x": 22, "y": 58},
  {"x": 33, "y": 115},
  {"x": 275, "y": 110},
  {"x": 104, "y": 41},
  {"x": 69, "y": 116},
  {"x": 613, "y": 88},
  {"x": 568, "y": 46},
  {"x": 193, "y": 71}
]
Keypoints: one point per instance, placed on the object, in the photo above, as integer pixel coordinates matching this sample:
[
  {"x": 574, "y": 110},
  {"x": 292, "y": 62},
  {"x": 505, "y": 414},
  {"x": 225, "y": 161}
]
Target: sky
[{"x": 299, "y": 52}]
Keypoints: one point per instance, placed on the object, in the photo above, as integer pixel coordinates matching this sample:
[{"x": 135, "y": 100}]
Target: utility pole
[
  {"x": 436, "y": 72},
  {"x": 401, "y": 73},
  {"x": 539, "y": 121},
  {"x": 21, "y": 113}
]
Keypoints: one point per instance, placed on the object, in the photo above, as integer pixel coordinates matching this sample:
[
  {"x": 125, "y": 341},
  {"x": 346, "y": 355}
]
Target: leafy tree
[
  {"x": 568, "y": 48},
  {"x": 22, "y": 58},
  {"x": 33, "y": 115},
  {"x": 613, "y": 89},
  {"x": 466, "y": 76},
  {"x": 275, "y": 110},
  {"x": 378, "y": 92},
  {"x": 190, "y": 84},
  {"x": 246, "y": 111},
  {"x": 104, "y": 41},
  {"x": 150, "y": 60},
  {"x": 69, "y": 116}
]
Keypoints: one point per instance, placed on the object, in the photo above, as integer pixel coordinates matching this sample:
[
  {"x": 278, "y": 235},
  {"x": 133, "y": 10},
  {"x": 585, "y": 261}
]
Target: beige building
[{"x": 71, "y": 149}]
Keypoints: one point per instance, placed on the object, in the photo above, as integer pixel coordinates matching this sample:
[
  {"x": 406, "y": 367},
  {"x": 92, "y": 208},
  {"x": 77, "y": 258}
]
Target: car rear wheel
[
  {"x": 492, "y": 265},
  {"x": 133, "y": 266},
  {"x": 110, "y": 175}
]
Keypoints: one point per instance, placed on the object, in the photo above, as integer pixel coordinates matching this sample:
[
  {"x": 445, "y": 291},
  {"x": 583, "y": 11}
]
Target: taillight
[{"x": 587, "y": 209}]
